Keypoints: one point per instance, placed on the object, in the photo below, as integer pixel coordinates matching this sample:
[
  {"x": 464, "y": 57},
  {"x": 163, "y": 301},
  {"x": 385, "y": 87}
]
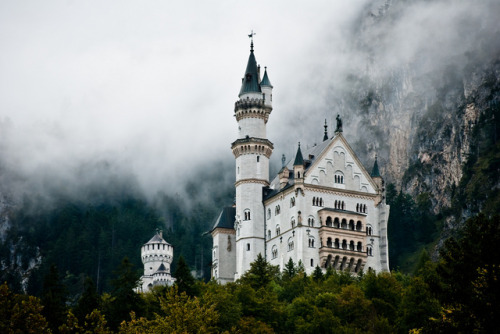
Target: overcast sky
[{"x": 150, "y": 86}]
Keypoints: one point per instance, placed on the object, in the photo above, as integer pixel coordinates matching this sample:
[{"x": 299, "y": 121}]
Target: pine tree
[
  {"x": 317, "y": 274},
  {"x": 88, "y": 301},
  {"x": 183, "y": 279},
  {"x": 54, "y": 299}
]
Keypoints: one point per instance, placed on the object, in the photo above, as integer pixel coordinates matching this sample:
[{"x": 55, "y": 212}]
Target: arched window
[
  {"x": 268, "y": 234},
  {"x": 278, "y": 230},
  {"x": 258, "y": 158},
  {"x": 369, "y": 251},
  {"x": 248, "y": 247},
  {"x": 351, "y": 225},
  {"x": 310, "y": 221},
  {"x": 312, "y": 263},
  {"x": 314, "y": 201},
  {"x": 351, "y": 245},
  {"x": 290, "y": 244},
  {"x": 292, "y": 202},
  {"x": 274, "y": 252},
  {"x": 359, "y": 247},
  {"x": 246, "y": 214},
  {"x": 329, "y": 221},
  {"x": 344, "y": 244},
  {"x": 320, "y": 202},
  {"x": 311, "y": 242},
  {"x": 359, "y": 226},
  {"x": 277, "y": 210},
  {"x": 292, "y": 222},
  {"x": 336, "y": 222},
  {"x": 339, "y": 177},
  {"x": 368, "y": 230},
  {"x": 337, "y": 243},
  {"x": 329, "y": 242},
  {"x": 344, "y": 224}
]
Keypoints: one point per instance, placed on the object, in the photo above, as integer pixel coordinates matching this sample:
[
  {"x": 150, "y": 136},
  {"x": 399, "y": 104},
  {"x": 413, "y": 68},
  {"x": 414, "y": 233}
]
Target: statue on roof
[{"x": 339, "y": 124}]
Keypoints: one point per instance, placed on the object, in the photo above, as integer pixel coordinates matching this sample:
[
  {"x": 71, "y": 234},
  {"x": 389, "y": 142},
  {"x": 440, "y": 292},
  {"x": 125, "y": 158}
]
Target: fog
[{"x": 102, "y": 93}]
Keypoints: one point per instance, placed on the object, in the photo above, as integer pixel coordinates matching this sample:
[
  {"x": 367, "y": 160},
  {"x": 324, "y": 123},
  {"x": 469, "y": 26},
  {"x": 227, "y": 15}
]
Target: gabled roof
[
  {"x": 250, "y": 82},
  {"x": 313, "y": 155},
  {"x": 265, "y": 80},
  {"x": 226, "y": 218}
]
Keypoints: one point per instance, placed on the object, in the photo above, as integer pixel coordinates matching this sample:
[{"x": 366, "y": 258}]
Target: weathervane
[{"x": 251, "y": 38}]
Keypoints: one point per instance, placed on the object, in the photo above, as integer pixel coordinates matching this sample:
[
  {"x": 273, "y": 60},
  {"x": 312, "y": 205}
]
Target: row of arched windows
[
  {"x": 311, "y": 242},
  {"x": 310, "y": 221},
  {"x": 357, "y": 247},
  {"x": 351, "y": 225},
  {"x": 317, "y": 201},
  {"x": 361, "y": 208},
  {"x": 339, "y": 178},
  {"x": 339, "y": 205},
  {"x": 344, "y": 264}
]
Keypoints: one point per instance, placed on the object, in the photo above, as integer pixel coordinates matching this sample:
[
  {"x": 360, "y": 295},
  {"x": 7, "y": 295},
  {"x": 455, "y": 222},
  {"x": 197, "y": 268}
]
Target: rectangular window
[{"x": 248, "y": 247}]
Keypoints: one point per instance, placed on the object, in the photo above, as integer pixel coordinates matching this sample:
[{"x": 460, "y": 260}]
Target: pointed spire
[
  {"x": 250, "y": 82},
  {"x": 375, "y": 170},
  {"x": 325, "y": 137},
  {"x": 265, "y": 80},
  {"x": 299, "y": 160}
]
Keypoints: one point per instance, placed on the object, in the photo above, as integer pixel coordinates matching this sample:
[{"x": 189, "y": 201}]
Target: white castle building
[
  {"x": 156, "y": 256},
  {"x": 323, "y": 208}
]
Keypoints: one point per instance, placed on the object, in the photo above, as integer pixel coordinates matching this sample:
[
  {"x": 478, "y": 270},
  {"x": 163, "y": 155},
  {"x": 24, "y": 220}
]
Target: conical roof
[
  {"x": 299, "y": 160},
  {"x": 265, "y": 80},
  {"x": 250, "y": 82}
]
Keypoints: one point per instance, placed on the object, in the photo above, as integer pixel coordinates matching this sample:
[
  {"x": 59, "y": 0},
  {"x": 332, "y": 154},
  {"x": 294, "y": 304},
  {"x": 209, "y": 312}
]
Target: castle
[
  {"x": 156, "y": 255},
  {"x": 322, "y": 209}
]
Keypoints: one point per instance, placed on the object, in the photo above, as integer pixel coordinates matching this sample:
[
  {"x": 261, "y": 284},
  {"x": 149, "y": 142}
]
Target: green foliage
[
  {"x": 54, "y": 299},
  {"x": 260, "y": 274},
  {"x": 123, "y": 297},
  {"x": 21, "y": 313},
  {"x": 183, "y": 278}
]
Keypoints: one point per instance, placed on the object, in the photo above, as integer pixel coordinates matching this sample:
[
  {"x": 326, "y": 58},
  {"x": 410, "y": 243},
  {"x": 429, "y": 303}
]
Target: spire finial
[
  {"x": 339, "y": 124},
  {"x": 251, "y": 39},
  {"x": 325, "y": 137}
]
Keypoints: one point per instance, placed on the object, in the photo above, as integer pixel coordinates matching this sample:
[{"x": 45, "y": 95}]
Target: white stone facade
[
  {"x": 323, "y": 209},
  {"x": 156, "y": 255}
]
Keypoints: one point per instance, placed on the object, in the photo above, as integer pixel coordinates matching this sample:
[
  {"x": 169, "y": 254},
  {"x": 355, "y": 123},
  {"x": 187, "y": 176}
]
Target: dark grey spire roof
[
  {"x": 161, "y": 268},
  {"x": 251, "y": 79},
  {"x": 265, "y": 80},
  {"x": 226, "y": 218},
  {"x": 157, "y": 238},
  {"x": 375, "y": 171},
  {"x": 299, "y": 160}
]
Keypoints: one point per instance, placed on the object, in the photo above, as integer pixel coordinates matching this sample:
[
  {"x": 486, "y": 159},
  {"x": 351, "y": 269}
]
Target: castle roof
[
  {"x": 299, "y": 160},
  {"x": 250, "y": 82},
  {"x": 162, "y": 268},
  {"x": 265, "y": 80},
  {"x": 311, "y": 154},
  {"x": 157, "y": 238},
  {"x": 226, "y": 218}
]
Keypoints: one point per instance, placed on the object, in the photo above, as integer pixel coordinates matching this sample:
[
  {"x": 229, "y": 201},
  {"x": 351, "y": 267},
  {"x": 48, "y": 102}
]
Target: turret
[
  {"x": 298, "y": 166},
  {"x": 252, "y": 151},
  {"x": 267, "y": 89},
  {"x": 156, "y": 255}
]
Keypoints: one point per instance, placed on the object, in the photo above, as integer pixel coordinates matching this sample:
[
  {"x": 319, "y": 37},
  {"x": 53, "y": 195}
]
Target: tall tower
[{"x": 252, "y": 151}]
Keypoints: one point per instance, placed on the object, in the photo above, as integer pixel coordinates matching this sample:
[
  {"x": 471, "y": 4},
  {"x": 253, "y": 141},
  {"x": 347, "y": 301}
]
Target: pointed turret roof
[
  {"x": 265, "y": 80},
  {"x": 250, "y": 82},
  {"x": 299, "y": 160},
  {"x": 375, "y": 171}
]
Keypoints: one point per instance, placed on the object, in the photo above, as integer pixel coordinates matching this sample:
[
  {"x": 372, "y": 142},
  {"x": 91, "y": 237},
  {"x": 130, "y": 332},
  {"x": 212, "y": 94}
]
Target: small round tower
[{"x": 156, "y": 255}]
